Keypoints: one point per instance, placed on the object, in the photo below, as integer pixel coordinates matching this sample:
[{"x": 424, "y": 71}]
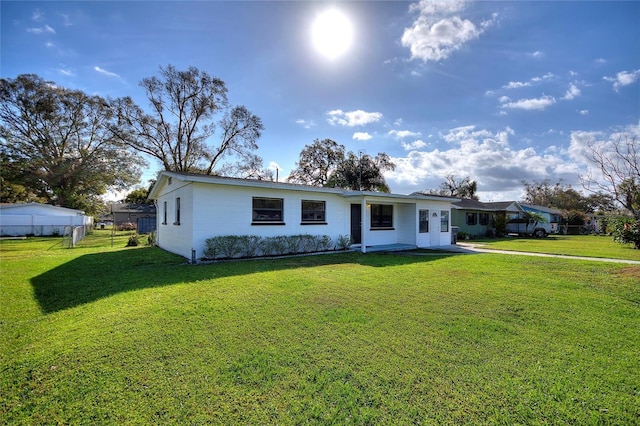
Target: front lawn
[
  {"x": 573, "y": 245},
  {"x": 97, "y": 335}
]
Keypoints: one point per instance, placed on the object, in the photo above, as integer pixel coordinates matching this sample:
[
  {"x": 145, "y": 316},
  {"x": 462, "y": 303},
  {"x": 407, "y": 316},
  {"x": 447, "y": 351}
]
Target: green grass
[
  {"x": 575, "y": 245},
  {"x": 101, "y": 335}
]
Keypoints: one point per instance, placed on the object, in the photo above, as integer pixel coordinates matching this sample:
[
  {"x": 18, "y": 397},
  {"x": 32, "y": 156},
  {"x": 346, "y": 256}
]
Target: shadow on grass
[{"x": 91, "y": 277}]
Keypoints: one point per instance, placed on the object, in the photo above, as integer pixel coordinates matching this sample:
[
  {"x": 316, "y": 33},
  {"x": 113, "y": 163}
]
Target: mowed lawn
[
  {"x": 574, "y": 245},
  {"x": 114, "y": 335}
]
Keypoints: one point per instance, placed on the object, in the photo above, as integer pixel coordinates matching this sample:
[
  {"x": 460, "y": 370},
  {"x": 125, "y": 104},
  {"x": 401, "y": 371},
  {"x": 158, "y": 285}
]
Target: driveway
[{"x": 470, "y": 248}]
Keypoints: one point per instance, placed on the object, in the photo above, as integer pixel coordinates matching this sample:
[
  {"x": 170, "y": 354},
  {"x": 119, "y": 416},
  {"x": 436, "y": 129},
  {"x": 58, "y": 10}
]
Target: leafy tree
[
  {"x": 615, "y": 170},
  {"x": 138, "y": 196},
  {"x": 534, "y": 218},
  {"x": 463, "y": 188},
  {"x": 324, "y": 163},
  {"x": 317, "y": 162},
  {"x": 184, "y": 108},
  {"x": 61, "y": 144},
  {"x": 363, "y": 173},
  {"x": 557, "y": 195}
]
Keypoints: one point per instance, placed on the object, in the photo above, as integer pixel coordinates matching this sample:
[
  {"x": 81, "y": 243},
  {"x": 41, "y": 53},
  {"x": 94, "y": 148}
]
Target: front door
[{"x": 356, "y": 223}]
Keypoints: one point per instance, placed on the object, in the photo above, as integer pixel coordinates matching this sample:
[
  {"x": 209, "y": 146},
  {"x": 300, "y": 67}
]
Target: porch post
[{"x": 363, "y": 226}]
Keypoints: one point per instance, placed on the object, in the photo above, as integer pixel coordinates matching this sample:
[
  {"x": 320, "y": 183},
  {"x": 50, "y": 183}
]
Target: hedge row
[{"x": 244, "y": 246}]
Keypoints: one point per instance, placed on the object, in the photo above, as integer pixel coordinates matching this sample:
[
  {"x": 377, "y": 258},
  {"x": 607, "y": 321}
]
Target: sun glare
[{"x": 332, "y": 34}]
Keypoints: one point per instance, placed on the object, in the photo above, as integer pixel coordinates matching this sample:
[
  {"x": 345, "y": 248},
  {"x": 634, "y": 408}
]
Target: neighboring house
[
  {"x": 193, "y": 208},
  {"x": 142, "y": 215},
  {"x": 40, "y": 219},
  {"x": 477, "y": 219}
]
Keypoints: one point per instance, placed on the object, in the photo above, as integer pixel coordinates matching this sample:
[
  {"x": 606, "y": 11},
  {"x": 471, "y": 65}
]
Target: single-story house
[
  {"x": 40, "y": 219},
  {"x": 192, "y": 208},
  {"x": 477, "y": 219},
  {"x": 143, "y": 216}
]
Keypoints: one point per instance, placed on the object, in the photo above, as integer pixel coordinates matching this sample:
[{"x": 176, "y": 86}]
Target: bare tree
[
  {"x": 184, "y": 109},
  {"x": 463, "y": 188},
  {"x": 617, "y": 171}
]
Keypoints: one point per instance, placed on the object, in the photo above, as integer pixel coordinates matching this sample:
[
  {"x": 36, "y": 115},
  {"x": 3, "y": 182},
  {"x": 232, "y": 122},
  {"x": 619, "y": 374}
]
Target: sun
[{"x": 332, "y": 34}]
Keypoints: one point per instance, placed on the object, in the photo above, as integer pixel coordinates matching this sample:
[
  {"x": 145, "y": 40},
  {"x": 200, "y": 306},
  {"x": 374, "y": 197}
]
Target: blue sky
[{"x": 497, "y": 91}]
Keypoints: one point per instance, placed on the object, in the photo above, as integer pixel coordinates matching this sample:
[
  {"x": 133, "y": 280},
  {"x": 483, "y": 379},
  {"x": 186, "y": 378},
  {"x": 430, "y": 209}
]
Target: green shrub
[
  {"x": 627, "y": 230},
  {"x": 344, "y": 242},
  {"x": 152, "y": 238},
  {"x": 134, "y": 240},
  {"x": 232, "y": 246}
]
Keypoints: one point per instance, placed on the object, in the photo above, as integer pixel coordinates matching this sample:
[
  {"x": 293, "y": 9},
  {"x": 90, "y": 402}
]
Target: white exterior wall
[
  {"x": 407, "y": 223},
  {"x": 227, "y": 210},
  {"x": 173, "y": 237}
]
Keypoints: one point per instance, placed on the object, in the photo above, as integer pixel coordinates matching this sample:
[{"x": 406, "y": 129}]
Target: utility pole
[{"x": 360, "y": 167}]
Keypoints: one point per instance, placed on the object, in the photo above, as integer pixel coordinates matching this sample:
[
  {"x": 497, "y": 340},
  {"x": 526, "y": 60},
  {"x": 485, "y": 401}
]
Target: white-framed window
[
  {"x": 444, "y": 221},
  {"x": 423, "y": 221}
]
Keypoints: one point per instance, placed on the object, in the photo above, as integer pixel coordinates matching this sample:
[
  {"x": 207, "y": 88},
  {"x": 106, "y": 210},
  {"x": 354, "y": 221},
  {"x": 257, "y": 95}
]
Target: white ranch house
[{"x": 192, "y": 208}]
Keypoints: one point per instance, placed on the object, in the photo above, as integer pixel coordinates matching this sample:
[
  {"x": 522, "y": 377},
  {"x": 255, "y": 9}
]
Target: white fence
[{"x": 19, "y": 225}]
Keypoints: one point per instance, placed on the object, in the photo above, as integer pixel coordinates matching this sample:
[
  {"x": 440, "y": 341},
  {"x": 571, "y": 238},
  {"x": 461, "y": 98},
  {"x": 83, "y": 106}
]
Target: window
[
  {"x": 164, "y": 213},
  {"x": 313, "y": 212},
  {"x": 423, "y": 225},
  {"x": 268, "y": 210},
  {"x": 472, "y": 218},
  {"x": 177, "y": 222},
  {"x": 381, "y": 216},
  {"x": 484, "y": 218},
  {"x": 444, "y": 221}
]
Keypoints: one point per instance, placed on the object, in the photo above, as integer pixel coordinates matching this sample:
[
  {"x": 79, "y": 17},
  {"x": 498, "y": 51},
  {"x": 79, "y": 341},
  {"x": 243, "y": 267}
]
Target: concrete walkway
[{"x": 470, "y": 248}]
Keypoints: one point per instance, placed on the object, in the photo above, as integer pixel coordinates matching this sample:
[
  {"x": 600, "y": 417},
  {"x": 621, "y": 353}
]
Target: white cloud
[
  {"x": 486, "y": 157},
  {"x": 66, "y": 72},
  {"x": 352, "y": 118},
  {"x": 41, "y": 30},
  {"x": 273, "y": 166},
  {"x": 437, "y": 31},
  {"x": 516, "y": 85},
  {"x": 520, "y": 84},
  {"x": 361, "y": 136},
  {"x": 37, "y": 15},
  {"x": 547, "y": 76},
  {"x": 307, "y": 124},
  {"x": 105, "y": 72},
  {"x": 533, "y": 104},
  {"x": 67, "y": 20},
  {"x": 584, "y": 112},
  {"x": 623, "y": 78},
  {"x": 401, "y": 134},
  {"x": 537, "y": 54},
  {"x": 414, "y": 145},
  {"x": 572, "y": 92}
]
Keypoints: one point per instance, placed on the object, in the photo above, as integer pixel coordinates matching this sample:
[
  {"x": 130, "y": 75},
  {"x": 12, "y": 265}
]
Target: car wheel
[{"x": 540, "y": 233}]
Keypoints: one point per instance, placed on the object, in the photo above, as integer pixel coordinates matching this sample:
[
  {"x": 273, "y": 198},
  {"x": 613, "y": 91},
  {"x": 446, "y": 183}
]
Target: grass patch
[
  {"x": 573, "y": 245},
  {"x": 104, "y": 335}
]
